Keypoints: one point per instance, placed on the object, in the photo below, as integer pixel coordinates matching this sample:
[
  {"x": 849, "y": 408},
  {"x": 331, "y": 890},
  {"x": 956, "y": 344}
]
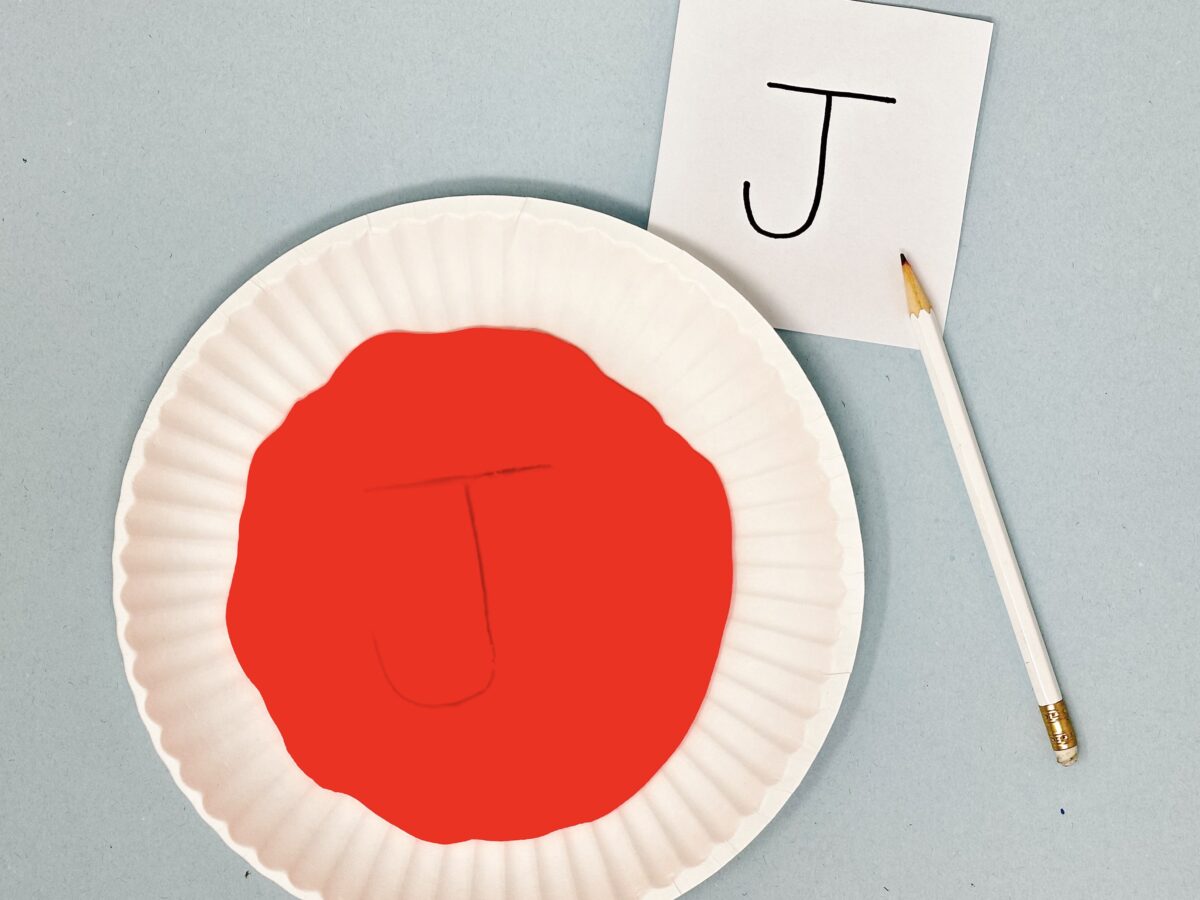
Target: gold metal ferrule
[{"x": 1058, "y": 725}]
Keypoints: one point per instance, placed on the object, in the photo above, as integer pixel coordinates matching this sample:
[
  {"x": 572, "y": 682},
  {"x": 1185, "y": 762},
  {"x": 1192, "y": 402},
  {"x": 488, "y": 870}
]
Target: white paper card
[{"x": 740, "y": 184}]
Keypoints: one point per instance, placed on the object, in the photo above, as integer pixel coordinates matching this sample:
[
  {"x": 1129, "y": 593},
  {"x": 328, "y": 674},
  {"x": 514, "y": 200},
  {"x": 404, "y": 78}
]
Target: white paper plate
[{"x": 651, "y": 317}]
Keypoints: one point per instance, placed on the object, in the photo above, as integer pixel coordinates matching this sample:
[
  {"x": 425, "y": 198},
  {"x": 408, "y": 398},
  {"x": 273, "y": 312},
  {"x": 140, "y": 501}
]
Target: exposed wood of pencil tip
[{"x": 917, "y": 301}]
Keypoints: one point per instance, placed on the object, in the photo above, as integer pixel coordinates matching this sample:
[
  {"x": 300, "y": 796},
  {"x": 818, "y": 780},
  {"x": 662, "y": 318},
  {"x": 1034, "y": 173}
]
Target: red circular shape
[{"x": 480, "y": 585}]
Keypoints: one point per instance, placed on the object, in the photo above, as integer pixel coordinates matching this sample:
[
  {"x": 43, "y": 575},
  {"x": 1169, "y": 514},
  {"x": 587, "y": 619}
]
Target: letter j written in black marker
[{"x": 816, "y": 202}]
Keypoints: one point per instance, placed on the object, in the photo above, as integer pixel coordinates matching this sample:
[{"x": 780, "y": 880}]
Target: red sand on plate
[{"x": 480, "y": 585}]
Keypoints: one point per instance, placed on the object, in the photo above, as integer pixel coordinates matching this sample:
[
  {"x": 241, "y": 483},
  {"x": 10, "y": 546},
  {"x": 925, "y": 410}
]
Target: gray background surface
[{"x": 153, "y": 156}]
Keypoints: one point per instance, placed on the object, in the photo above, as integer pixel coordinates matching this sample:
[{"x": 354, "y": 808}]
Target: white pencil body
[{"x": 987, "y": 511}]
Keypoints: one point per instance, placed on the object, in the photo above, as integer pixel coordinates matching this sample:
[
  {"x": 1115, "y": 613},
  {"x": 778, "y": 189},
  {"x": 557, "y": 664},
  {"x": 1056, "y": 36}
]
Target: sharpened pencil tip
[{"x": 917, "y": 301}]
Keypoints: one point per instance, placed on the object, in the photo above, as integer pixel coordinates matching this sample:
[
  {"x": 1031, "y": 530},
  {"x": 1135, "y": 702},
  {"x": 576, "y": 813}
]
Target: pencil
[{"x": 991, "y": 524}]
